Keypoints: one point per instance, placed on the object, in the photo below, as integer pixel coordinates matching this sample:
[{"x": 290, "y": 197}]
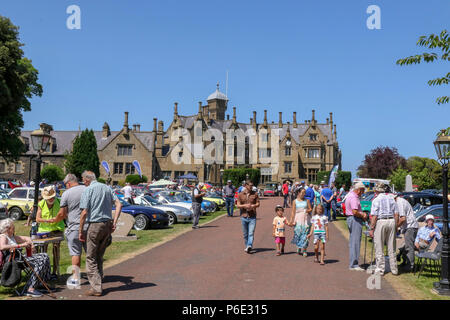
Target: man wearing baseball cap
[
  {"x": 427, "y": 233},
  {"x": 384, "y": 222},
  {"x": 355, "y": 221}
]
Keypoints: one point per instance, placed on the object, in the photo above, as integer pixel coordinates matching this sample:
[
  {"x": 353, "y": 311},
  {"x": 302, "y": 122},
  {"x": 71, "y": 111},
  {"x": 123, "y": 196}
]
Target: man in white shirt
[
  {"x": 384, "y": 222},
  {"x": 409, "y": 228},
  {"x": 127, "y": 193}
]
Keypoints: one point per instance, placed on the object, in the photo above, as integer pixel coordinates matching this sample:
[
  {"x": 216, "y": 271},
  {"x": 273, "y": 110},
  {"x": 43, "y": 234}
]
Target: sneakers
[
  {"x": 248, "y": 249},
  {"x": 358, "y": 268},
  {"x": 195, "y": 227},
  {"x": 34, "y": 294}
]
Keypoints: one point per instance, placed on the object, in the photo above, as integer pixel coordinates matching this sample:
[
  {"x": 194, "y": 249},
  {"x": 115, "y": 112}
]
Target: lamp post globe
[
  {"x": 40, "y": 140},
  {"x": 442, "y": 146}
]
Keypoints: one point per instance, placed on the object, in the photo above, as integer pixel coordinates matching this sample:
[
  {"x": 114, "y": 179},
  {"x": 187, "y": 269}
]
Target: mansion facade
[{"x": 203, "y": 144}]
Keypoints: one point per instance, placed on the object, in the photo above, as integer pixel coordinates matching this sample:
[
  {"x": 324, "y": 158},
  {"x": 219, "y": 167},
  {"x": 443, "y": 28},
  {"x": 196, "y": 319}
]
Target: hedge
[{"x": 238, "y": 175}]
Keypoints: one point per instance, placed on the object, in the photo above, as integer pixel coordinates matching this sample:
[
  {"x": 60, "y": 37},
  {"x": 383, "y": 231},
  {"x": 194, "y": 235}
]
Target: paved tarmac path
[{"x": 210, "y": 263}]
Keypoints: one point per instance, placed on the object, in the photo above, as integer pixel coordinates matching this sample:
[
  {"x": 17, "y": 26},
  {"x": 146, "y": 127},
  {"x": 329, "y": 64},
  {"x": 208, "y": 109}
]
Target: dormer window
[{"x": 313, "y": 137}]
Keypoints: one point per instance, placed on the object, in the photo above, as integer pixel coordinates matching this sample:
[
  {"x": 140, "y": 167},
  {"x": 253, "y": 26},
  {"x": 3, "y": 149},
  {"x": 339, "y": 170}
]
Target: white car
[
  {"x": 176, "y": 213},
  {"x": 164, "y": 197}
]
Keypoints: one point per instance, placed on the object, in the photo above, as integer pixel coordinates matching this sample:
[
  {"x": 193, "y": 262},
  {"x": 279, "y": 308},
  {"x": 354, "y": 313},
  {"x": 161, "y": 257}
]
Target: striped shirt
[
  {"x": 384, "y": 206},
  {"x": 98, "y": 200}
]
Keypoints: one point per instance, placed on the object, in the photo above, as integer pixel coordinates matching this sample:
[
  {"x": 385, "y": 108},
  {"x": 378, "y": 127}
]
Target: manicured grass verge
[
  {"x": 407, "y": 284},
  {"x": 118, "y": 251}
]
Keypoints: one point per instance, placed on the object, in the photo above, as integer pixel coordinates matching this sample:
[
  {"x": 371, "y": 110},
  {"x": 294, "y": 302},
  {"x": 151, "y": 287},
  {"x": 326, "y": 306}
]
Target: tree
[
  {"x": 135, "y": 179},
  {"x": 52, "y": 173},
  {"x": 398, "y": 178},
  {"x": 380, "y": 163},
  {"x": 426, "y": 173},
  {"x": 18, "y": 84},
  {"x": 84, "y": 155},
  {"x": 441, "y": 42}
]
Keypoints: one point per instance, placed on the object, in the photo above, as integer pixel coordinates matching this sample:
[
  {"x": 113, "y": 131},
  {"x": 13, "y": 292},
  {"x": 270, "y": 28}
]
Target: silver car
[{"x": 176, "y": 213}]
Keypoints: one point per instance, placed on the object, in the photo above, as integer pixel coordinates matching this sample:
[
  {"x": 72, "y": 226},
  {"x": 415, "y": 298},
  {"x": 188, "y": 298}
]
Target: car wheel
[
  {"x": 172, "y": 218},
  {"x": 15, "y": 213},
  {"x": 141, "y": 222}
]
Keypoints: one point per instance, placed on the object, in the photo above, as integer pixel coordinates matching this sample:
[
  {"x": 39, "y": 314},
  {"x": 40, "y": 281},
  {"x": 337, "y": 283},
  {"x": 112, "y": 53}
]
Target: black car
[
  {"x": 425, "y": 199},
  {"x": 145, "y": 217}
]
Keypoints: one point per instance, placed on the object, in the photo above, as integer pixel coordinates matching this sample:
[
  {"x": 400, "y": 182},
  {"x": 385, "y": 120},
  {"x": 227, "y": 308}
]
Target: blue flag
[
  {"x": 138, "y": 167},
  {"x": 106, "y": 166}
]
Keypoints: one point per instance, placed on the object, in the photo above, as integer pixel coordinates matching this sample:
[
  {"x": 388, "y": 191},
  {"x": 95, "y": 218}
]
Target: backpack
[{"x": 11, "y": 272}]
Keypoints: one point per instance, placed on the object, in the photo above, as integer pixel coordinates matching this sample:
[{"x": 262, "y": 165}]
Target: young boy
[
  {"x": 319, "y": 229},
  {"x": 278, "y": 229}
]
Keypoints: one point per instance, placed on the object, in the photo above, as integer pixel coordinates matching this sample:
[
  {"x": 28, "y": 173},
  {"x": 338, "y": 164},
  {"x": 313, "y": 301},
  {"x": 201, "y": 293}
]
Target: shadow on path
[{"x": 127, "y": 284}]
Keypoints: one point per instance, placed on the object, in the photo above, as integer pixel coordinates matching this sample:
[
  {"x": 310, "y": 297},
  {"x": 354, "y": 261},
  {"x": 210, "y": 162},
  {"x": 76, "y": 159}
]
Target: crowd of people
[{"x": 87, "y": 210}]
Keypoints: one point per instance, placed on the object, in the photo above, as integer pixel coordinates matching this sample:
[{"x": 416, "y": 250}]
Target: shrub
[{"x": 52, "y": 173}]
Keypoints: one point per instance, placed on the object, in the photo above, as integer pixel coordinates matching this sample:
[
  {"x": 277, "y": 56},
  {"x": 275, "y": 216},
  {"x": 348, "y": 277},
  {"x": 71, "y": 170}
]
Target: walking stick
[{"x": 42, "y": 281}]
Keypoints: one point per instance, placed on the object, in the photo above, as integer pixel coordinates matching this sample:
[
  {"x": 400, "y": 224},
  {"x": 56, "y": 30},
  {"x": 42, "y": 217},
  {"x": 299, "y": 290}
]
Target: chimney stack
[
  {"x": 234, "y": 114},
  {"x": 331, "y": 119},
  {"x": 280, "y": 120},
  {"x": 254, "y": 119},
  {"x": 155, "y": 121},
  {"x": 134, "y": 127},
  {"x": 161, "y": 126},
  {"x": 200, "y": 111},
  {"x": 106, "y": 132},
  {"x": 335, "y": 133},
  {"x": 265, "y": 117},
  {"x": 328, "y": 120},
  {"x": 295, "y": 119},
  {"x": 175, "y": 110},
  {"x": 228, "y": 117},
  {"x": 125, "y": 123},
  {"x": 138, "y": 126}
]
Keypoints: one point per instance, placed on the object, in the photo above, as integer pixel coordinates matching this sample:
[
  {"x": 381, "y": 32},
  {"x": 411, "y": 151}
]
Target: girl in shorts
[
  {"x": 319, "y": 229},
  {"x": 279, "y": 223}
]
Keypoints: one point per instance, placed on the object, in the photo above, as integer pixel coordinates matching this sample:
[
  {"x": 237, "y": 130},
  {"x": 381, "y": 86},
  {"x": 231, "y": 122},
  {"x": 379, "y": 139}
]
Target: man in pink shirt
[{"x": 355, "y": 221}]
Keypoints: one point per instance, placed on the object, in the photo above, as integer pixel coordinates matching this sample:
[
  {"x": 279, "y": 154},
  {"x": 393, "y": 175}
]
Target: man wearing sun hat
[
  {"x": 48, "y": 209},
  {"x": 355, "y": 221},
  {"x": 384, "y": 222}
]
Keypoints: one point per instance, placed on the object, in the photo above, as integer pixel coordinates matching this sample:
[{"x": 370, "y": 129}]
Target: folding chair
[
  {"x": 431, "y": 259},
  {"x": 23, "y": 268}
]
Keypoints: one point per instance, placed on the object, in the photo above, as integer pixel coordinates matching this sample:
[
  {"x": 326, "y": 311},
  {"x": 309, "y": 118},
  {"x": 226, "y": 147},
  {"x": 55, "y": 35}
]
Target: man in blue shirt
[
  {"x": 310, "y": 195},
  {"x": 327, "y": 196},
  {"x": 427, "y": 234}
]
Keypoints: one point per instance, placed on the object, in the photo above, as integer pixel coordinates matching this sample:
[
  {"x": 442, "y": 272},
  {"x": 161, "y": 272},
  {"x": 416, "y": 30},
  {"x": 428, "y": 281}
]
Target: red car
[{"x": 269, "y": 193}]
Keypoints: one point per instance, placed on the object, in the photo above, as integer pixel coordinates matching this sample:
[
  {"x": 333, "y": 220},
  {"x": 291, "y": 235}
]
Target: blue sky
[{"x": 142, "y": 56}]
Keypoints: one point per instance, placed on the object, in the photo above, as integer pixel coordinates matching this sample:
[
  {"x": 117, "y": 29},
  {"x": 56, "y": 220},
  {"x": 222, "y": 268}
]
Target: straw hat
[{"x": 48, "y": 192}]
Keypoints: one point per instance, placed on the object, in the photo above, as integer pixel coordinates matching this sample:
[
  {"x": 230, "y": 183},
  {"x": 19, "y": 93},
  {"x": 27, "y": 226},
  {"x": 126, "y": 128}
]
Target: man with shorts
[{"x": 70, "y": 210}]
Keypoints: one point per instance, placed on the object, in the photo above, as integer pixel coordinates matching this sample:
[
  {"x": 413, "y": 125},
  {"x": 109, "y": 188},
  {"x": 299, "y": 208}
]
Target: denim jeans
[
  {"x": 327, "y": 208},
  {"x": 333, "y": 207},
  {"x": 285, "y": 203},
  {"x": 248, "y": 229},
  {"x": 229, "y": 202}
]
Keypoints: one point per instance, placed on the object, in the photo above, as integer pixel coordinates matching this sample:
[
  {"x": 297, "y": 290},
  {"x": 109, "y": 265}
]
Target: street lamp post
[
  {"x": 442, "y": 145},
  {"x": 221, "y": 179},
  {"x": 40, "y": 140}
]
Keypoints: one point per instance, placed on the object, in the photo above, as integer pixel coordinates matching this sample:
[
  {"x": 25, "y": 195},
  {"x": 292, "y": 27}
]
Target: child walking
[
  {"x": 278, "y": 229},
  {"x": 319, "y": 228}
]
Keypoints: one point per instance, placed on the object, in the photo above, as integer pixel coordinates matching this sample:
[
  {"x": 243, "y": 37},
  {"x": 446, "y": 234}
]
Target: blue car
[
  {"x": 436, "y": 210},
  {"x": 145, "y": 217}
]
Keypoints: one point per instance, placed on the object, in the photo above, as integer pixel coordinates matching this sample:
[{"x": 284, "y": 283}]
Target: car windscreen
[{"x": 151, "y": 200}]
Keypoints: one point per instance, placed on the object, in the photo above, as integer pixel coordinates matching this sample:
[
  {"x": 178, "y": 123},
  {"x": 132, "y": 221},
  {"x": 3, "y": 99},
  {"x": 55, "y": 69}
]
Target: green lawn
[
  {"x": 424, "y": 284},
  {"x": 118, "y": 249}
]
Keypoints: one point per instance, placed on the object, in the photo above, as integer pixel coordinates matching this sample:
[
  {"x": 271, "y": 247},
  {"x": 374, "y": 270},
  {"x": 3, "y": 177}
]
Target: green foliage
[
  {"x": 18, "y": 84},
  {"x": 84, "y": 155},
  {"x": 441, "y": 42},
  {"x": 426, "y": 174},
  {"x": 101, "y": 180},
  {"x": 237, "y": 175},
  {"x": 342, "y": 178},
  {"x": 52, "y": 173},
  {"x": 135, "y": 179},
  {"x": 398, "y": 179}
]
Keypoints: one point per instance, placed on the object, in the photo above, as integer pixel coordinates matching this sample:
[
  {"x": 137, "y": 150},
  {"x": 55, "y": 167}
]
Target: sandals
[
  {"x": 278, "y": 253},
  {"x": 316, "y": 259},
  {"x": 322, "y": 263}
]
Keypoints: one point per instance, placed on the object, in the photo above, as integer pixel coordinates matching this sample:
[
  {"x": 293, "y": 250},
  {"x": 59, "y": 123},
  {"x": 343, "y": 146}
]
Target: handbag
[{"x": 11, "y": 273}]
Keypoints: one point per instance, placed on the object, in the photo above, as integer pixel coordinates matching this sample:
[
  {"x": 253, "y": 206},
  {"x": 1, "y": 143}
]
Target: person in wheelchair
[{"x": 39, "y": 262}]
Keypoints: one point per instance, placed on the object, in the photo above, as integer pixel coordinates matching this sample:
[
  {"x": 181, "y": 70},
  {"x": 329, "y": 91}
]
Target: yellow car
[
  {"x": 19, "y": 202},
  {"x": 215, "y": 198}
]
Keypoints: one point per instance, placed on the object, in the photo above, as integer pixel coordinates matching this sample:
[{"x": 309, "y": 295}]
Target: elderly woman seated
[
  {"x": 39, "y": 262},
  {"x": 427, "y": 234}
]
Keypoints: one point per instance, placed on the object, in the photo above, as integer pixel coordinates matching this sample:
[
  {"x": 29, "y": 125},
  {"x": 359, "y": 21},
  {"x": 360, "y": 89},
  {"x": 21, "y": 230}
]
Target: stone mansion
[{"x": 281, "y": 150}]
